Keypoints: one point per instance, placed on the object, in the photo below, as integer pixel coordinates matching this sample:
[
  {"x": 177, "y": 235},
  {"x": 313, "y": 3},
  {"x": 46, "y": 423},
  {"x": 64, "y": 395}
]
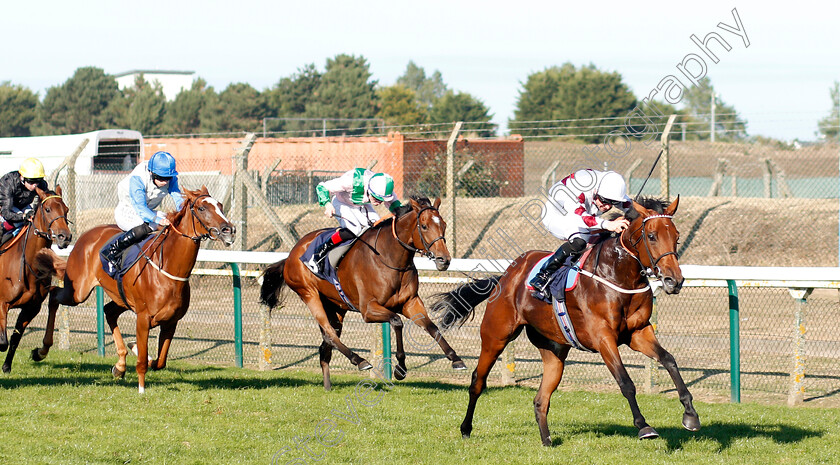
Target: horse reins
[
  {"x": 426, "y": 245},
  {"x": 653, "y": 270}
]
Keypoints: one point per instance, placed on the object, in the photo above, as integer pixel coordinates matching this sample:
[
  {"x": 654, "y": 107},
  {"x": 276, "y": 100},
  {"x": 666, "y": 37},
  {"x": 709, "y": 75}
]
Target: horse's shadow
[{"x": 724, "y": 434}]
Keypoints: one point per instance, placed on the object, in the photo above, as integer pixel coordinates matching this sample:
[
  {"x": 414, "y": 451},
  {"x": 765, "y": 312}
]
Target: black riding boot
[
  {"x": 320, "y": 254},
  {"x": 128, "y": 238},
  {"x": 540, "y": 281}
]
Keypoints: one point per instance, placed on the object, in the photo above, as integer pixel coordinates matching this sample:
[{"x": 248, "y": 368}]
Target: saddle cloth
[
  {"x": 129, "y": 256},
  {"x": 328, "y": 269}
]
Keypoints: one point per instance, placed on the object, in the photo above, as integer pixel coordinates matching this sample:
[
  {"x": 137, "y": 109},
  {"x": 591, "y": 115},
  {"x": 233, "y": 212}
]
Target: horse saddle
[
  {"x": 127, "y": 259},
  {"x": 328, "y": 269},
  {"x": 564, "y": 279}
]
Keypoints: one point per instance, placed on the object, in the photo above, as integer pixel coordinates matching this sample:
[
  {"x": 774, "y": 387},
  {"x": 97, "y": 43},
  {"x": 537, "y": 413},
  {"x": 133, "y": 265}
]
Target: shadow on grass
[{"x": 723, "y": 434}]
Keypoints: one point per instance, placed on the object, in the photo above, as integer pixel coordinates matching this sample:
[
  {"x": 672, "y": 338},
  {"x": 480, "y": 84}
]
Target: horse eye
[
  {"x": 201, "y": 209},
  {"x": 652, "y": 236},
  {"x": 423, "y": 227},
  {"x": 46, "y": 209}
]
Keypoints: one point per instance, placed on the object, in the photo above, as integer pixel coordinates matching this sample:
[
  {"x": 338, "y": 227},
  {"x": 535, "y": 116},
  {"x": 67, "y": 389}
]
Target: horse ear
[
  {"x": 673, "y": 207},
  {"x": 58, "y": 189},
  {"x": 204, "y": 190},
  {"x": 41, "y": 193},
  {"x": 437, "y": 203},
  {"x": 639, "y": 208},
  {"x": 414, "y": 204}
]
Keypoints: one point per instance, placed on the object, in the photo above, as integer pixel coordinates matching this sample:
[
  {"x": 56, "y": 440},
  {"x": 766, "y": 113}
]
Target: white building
[{"x": 172, "y": 82}]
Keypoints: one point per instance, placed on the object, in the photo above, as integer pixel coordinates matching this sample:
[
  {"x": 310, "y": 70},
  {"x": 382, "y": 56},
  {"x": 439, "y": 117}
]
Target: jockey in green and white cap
[{"x": 350, "y": 198}]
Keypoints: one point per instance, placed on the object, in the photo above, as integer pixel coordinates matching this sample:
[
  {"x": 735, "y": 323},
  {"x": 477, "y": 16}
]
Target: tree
[
  {"x": 399, "y": 106},
  {"x": 462, "y": 106},
  {"x": 697, "y": 102},
  {"x": 18, "y": 106},
  {"x": 238, "y": 108},
  {"x": 428, "y": 89},
  {"x": 830, "y": 125},
  {"x": 77, "y": 106},
  {"x": 345, "y": 90},
  {"x": 183, "y": 115},
  {"x": 139, "y": 107},
  {"x": 569, "y": 93},
  {"x": 289, "y": 96}
]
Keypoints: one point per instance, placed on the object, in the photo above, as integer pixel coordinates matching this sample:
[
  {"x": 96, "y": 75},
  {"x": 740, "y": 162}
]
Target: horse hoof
[
  {"x": 4, "y": 347},
  {"x": 36, "y": 355},
  {"x": 399, "y": 373},
  {"x": 118, "y": 374},
  {"x": 7, "y": 368},
  {"x": 648, "y": 433},
  {"x": 459, "y": 365},
  {"x": 691, "y": 423},
  {"x": 364, "y": 365}
]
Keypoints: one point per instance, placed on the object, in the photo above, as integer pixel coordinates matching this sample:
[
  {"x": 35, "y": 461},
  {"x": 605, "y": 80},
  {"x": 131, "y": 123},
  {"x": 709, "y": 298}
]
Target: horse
[
  {"x": 27, "y": 265},
  {"x": 377, "y": 275},
  {"x": 156, "y": 287},
  {"x": 610, "y": 305}
]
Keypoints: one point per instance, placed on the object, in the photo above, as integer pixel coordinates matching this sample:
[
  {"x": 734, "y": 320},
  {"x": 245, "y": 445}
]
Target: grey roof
[{"x": 151, "y": 71}]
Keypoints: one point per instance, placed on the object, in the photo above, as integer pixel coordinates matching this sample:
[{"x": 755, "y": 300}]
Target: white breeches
[{"x": 356, "y": 218}]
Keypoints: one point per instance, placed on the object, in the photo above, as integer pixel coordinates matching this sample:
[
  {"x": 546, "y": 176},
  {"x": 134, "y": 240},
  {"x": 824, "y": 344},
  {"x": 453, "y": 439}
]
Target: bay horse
[
  {"x": 377, "y": 275},
  {"x": 156, "y": 287},
  {"x": 611, "y": 305},
  {"x": 27, "y": 265}
]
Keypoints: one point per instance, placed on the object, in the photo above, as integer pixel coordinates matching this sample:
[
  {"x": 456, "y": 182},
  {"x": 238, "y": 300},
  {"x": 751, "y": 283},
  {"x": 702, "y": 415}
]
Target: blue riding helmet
[{"x": 163, "y": 165}]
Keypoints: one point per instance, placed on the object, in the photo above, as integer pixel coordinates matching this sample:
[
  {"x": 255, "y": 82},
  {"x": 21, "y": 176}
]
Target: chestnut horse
[
  {"x": 156, "y": 287},
  {"x": 377, "y": 275},
  {"x": 27, "y": 269},
  {"x": 611, "y": 305}
]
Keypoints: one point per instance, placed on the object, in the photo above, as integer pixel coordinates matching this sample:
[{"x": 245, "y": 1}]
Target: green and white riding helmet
[{"x": 381, "y": 187}]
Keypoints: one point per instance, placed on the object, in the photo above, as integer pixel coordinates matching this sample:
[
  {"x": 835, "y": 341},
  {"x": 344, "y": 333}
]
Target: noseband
[
  {"x": 48, "y": 234},
  {"x": 212, "y": 233},
  {"x": 426, "y": 251},
  {"x": 653, "y": 270}
]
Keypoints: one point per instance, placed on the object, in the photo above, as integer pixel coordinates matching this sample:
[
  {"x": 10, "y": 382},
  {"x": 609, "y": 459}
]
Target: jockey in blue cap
[
  {"x": 574, "y": 211},
  {"x": 350, "y": 198},
  {"x": 140, "y": 192}
]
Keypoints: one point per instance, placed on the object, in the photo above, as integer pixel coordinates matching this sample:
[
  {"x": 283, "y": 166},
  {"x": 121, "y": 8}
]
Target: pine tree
[
  {"x": 345, "y": 90},
  {"x": 77, "y": 106},
  {"x": 462, "y": 106},
  {"x": 18, "y": 106},
  {"x": 399, "y": 106},
  {"x": 830, "y": 125}
]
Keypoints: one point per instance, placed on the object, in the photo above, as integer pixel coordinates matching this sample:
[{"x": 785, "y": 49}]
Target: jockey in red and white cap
[{"x": 574, "y": 210}]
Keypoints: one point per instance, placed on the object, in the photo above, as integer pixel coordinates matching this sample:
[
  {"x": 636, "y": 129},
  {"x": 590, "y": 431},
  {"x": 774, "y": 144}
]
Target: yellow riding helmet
[{"x": 31, "y": 168}]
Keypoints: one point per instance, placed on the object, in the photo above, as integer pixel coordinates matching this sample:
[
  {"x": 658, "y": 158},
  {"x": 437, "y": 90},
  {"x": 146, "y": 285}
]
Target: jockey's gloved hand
[{"x": 28, "y": 214}]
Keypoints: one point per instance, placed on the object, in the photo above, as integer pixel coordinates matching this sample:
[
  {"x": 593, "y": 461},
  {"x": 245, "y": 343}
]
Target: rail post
[
  {"x": 100, "y": 321},
  {"x": 237, "y": 313},
  {"x": 734, "y": 342},
  {"x": 387, "y": 365},
  {"x": 796, "y": 393}
]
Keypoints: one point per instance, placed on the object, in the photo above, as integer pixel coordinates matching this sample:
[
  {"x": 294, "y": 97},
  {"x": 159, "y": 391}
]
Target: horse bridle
[
  {"x": 654, "y": 269},
  {"x": 212, "y": 232},
  {"x": 48, "y": 234},
  {"x": 426, "y": 251}
]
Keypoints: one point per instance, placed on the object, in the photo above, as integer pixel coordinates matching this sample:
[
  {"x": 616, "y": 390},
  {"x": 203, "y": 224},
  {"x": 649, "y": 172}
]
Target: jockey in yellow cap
[{"x": 18, "y": 197}]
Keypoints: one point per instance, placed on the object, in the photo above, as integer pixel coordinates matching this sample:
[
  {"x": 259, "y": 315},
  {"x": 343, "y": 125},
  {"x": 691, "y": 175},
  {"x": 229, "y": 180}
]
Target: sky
[{"x": 779, "y": 83}]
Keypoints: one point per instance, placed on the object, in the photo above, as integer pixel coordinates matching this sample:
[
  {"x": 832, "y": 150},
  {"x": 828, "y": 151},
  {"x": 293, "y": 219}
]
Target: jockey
[
  {"x": 138, "y": 193},
  {"x": 17, "y": 195},
  {"x": 353, "y": 194},
  {"x": 574, "y": 211}
]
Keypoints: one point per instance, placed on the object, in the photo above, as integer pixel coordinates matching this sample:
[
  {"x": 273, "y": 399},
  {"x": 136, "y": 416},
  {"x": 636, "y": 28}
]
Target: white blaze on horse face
[
  {"x": 436, "y": 220},
  {"x": 215, "y": 203}
]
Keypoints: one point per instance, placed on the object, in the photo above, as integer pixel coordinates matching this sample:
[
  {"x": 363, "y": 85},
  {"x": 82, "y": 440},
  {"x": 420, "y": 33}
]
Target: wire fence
[{"x": 744, "y": 201}]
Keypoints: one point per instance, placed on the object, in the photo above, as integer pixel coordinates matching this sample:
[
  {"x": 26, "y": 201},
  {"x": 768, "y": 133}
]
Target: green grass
[{"x": 69, "y": 410}]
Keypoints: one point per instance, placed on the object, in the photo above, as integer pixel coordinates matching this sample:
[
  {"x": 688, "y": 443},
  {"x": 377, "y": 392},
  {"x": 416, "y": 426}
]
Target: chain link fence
[{"x": 742, "y": 203}]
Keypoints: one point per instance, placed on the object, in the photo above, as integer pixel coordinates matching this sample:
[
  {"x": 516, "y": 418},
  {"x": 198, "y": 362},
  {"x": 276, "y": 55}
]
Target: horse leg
[
  {"x": 493, "y": 341},
  {"x": 27, "y": 314},
  {"x": 554, "y": 358},
  {"x": 143, "y": 325},
  {"x": 112, "y": 313},
  {"x": 645, "y": 341},
  {"x": 416, "y": 311},
  {"x": 4, "y": 312},
  {"x": 329, "y": 334},
  {"x": 66, "y": 295},
  {"x": 609, "y": 353},
  {"x": 167, "y": 332},
  {"x": 376, "y": 313},
  {"x": 325, "y": 350}
]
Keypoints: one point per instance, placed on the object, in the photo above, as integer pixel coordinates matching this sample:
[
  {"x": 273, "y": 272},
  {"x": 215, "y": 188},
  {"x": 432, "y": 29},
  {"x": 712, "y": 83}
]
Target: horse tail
[
  {"x": 454, "y": 307},
  {"x": 272, "y": 284},
  {"x": 49, "y": 264}
]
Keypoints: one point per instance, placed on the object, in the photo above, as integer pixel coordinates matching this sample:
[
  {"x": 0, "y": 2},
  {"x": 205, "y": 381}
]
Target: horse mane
[
  {"x": 176, "y": 216},
  {"x": 651, "y": 203},
  {"x": 403, "y": 209}
]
